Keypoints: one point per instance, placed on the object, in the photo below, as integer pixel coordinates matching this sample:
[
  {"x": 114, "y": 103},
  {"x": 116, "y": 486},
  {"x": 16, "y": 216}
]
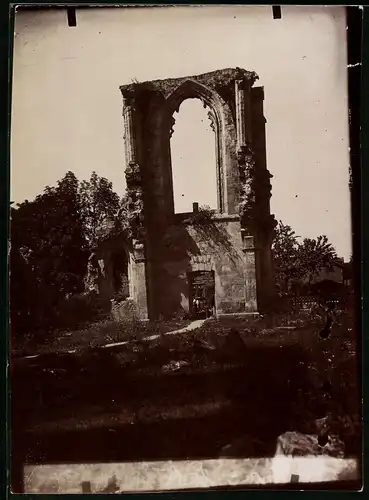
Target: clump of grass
[{"x": 105, "y": 331}]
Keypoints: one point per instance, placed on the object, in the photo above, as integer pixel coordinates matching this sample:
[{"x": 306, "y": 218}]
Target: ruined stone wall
[
  {"x": 237, "y": 243},
  {"x": 214, "y": 247}
]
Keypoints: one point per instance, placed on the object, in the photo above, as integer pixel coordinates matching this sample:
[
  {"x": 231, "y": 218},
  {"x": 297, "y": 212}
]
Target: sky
[{"x": 67, "y": 107}]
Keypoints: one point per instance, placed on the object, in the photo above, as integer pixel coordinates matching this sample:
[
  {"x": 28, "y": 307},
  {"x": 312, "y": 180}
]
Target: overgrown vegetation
[
  {"x": 203, "y": 216},
  {"x": 52, "y": 240},
  {"x": 97, "y": 334},
  {"x": 298, "y": 263}
]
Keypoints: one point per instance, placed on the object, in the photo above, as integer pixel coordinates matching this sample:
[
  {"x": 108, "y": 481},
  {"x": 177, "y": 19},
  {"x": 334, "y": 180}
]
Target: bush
[{"x": 204, "y": 215}]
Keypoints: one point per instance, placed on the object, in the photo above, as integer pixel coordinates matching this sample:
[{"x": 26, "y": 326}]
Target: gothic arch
[
  {"x": 190, "y": 89},
  {"x": 160, "y": 122}
]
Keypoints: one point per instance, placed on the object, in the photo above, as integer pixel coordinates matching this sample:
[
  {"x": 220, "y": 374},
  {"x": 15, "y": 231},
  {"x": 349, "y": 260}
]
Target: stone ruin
[{"x": 171, "y": 254}]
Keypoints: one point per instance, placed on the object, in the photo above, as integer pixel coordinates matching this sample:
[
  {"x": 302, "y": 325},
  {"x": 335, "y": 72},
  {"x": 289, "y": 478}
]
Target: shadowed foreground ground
[{"x": 200, "y": 395}]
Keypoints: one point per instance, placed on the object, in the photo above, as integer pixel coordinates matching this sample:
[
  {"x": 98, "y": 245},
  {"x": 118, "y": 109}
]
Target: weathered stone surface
[
  {"x": 170, "y": 245},
  {"x": 309, "y": 459},
  {"x": 125, "y": 310},
  {"x": 215, "y": 80},
  {"x": 298, "y": 444},
  {"x": 109, "y": 269}
]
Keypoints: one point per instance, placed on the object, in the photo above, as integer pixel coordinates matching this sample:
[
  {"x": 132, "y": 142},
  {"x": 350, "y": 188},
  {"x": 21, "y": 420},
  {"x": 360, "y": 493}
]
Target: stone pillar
[
  {"x": 130, "y": 276},
  {"x": 245, "y": 157},
  {"x": 129, "y": 132},
  {"x": 251, "y": 305},
  {"x": 220, "y": 181},
  {"x": 138, "y": 287},
  {"x": 240, "y": 114},
  {"x": 139, "y": 279}
]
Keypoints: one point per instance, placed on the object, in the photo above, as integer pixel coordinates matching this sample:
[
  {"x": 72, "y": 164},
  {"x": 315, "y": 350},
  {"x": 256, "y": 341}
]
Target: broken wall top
[{"x": 216, "y": 80}]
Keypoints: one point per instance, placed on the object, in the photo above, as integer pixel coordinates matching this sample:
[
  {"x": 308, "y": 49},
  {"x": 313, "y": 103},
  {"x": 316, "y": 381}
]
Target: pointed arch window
[{"x": 194, "y": 158}]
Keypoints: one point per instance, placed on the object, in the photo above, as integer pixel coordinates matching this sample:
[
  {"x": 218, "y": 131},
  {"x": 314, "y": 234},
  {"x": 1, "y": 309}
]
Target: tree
[
  {"x": 69, "y": 251},
  {"x": 285, "y": 251},
  {"x": 103, "y": 213},
  {"x": 52, "y": 240},
  {"x": 100, "y": 207},
  {"x": 48, "y": 253},
  {"x": 297, "y": 263},
  {"x": 24, "y": 286},
  {"x": 315, "y": 255}
]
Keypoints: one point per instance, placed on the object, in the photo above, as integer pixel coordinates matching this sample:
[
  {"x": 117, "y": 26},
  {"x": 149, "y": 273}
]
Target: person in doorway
[{"x": 196, "y": 305}]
